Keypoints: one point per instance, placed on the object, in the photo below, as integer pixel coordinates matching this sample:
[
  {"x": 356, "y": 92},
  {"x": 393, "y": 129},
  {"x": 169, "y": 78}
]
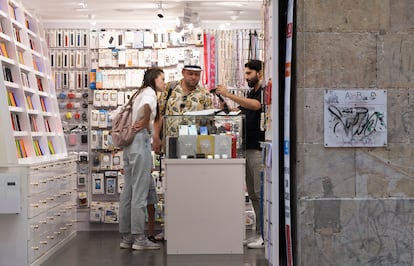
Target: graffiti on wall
[{"x": 355, "y": 118}]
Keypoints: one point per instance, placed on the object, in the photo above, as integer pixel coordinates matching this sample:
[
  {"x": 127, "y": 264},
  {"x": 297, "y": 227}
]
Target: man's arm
[{"x": 251, "y": 104}]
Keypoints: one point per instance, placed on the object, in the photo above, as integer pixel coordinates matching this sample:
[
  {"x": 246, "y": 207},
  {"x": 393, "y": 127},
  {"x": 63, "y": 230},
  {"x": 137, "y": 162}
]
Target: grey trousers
[
  {"x": 133, "y": 199},
  {"x": 254, "y": 165}
]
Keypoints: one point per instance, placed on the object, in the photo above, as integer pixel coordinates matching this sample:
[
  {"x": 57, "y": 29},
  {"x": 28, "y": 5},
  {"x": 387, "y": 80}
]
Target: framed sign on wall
[{"x": 355, "y": 118}]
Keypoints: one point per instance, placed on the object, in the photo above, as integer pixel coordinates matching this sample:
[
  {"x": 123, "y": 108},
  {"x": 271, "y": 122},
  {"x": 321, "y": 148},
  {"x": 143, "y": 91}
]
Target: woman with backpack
[{"x": 138, "y": 163}]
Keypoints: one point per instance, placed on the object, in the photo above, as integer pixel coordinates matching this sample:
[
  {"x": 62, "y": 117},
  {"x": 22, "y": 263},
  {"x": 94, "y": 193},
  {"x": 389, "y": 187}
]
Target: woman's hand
[{"x": 156, "y": 144}]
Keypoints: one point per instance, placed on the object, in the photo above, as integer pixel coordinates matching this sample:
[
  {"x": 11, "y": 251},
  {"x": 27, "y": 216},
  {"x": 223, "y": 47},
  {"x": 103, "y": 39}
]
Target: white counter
[{"x": 204, "y": 211}]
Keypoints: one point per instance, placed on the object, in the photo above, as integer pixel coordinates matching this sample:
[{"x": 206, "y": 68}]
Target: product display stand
[{"x": 204, "y": 212}]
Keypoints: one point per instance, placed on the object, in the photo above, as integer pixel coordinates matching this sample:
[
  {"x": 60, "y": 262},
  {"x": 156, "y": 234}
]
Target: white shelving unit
[
  {"x": 31, "y": 127},
  {"x": 37, "y": 178}
]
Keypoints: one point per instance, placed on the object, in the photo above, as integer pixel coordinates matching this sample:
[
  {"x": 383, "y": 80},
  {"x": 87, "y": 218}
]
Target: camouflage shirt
[{"x": 179, "y": 103}]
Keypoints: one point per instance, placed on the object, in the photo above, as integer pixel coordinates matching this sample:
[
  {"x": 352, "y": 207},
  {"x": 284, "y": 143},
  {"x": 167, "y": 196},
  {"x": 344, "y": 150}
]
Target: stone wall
[{"x": 355, "y": 206}]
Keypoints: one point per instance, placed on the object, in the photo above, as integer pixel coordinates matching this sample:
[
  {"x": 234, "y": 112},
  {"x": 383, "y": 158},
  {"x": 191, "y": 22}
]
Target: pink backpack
[{"x": 122, "y": 132}]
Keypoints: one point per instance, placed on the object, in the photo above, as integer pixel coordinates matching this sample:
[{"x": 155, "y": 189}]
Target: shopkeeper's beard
[{"x": 252, "y": 82}]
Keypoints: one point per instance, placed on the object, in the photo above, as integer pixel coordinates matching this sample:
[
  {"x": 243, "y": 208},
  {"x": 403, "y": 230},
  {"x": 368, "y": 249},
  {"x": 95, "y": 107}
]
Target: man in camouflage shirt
[{"x": 186, "y": 95}]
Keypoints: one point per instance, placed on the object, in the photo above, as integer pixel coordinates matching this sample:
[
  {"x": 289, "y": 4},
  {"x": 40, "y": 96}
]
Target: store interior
[{"x": 82, "y": 53}]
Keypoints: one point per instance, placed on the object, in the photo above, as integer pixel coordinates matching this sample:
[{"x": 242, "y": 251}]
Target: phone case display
[
  {"x": 204, "y": 136},
  {"x": 106, "y": 161},
  {"x": 32, "y": 128},
  {"x": 69, "y": 60},
  {"x": 119, "y": 57},
  {"x": 118, "y": 60}
]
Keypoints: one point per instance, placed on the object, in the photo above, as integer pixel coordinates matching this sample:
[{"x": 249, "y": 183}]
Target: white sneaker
[
  {"x": 259, "y": 243},
  {"x": 126, "y": 241},
  {"x": 159, "y": 236},
  {"x": 249, "y": 240},
  {"x": 145, "y": 244}
]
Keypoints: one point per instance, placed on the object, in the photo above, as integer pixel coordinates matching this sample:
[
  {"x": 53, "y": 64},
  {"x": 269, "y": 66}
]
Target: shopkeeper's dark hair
[
  {"x": 150, "y": 75},
  {"x": 254, "y": 65}
]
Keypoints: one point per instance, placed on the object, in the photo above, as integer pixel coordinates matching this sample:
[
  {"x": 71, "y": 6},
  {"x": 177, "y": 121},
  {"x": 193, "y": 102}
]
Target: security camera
[{"x": 160, "y": 13}]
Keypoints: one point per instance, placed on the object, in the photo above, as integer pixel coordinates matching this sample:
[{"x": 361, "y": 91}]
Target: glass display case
[{"x": 204, "y": 136}]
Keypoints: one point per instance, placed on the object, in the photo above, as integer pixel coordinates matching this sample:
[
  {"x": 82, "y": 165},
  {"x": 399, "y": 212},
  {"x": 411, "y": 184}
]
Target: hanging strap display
[
  {"x": 206, "y": 59},
  {"x": 253, "y": 45},
  {"x": 212, "y": 61},
  {"x": 225, "y": 53}
]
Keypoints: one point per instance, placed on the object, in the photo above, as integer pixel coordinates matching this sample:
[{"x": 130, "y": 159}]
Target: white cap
[{"x": 192, "y": 67}]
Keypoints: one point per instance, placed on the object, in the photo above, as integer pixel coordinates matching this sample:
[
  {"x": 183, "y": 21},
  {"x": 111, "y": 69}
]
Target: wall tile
[
  {"x": 366, "y": 232},
  {"x": 345, "y": 16},
  {"x": 396, "y": 61},
  {"x": 385, "y": 172},
  {"x": 313, "y": 115},
  {"x": 402, "y": 19},
  {"x": 339, "y": 60},
  {"x": 399, "y": 116},
  {"x": 328, "y": 172}
]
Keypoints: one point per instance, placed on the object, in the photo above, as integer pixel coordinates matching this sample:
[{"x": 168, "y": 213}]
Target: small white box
[
  {"x": 111, "y": 212},
  {"x": 222, "y": 145},
  {"x": 105, "y": 136},
  {"x": 121, "y": 98},
  {"x": 98, "y": 183},
  {"x": 117, "y": 160},
  {"x": 97, "y": 212},
  {"x": 94, "y": 139},
  {"x": 9, "y": 194},
  {"x": 103, "y": 120},
  {"x": 113, "y": 98},
  {"x": 94, "y": 118},
  {"x": 105, "y": 98},
  {"x": 97, "y": 98}
]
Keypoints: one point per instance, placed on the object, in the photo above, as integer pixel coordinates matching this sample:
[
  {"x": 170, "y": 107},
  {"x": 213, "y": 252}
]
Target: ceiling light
[
  {"x": 126, "y": 10},
  {"x": 83, "y": 7},
  {"x": 160, "y": 12},
  {"x": 187, "y": 14},
  {"x": 235, "y": 15},
  {"x": 236, "y": 4},
  {"x": 83, "y": 4},
  {"x": 179, "y": 25},
  {"x": 178, "y": 22}
]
